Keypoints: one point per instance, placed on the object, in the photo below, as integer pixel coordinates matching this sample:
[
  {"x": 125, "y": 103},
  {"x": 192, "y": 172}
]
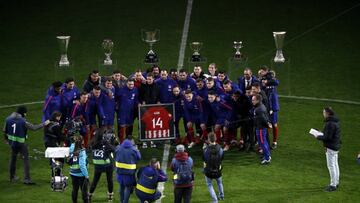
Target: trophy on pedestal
[
  {"x": 63, "y": 43},
  {"x": 151, "y": 37},
  {"x": 195, "y": 47},
  {"x": 108, "y": 46},
  {"x": 237, "y": 46},
  {"x": 279, "y": 42}
]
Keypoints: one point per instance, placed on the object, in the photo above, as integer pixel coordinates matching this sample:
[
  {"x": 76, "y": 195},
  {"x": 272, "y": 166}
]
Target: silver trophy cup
[
  {"x": 237, "y": 46},
  {"x": 279, "y": 42},
  {"x": 151, "y": 37},
  {"x": 196, "y": 47},
  {"x": 108, "y": 46},
  {"x": 63, "y": 43}
]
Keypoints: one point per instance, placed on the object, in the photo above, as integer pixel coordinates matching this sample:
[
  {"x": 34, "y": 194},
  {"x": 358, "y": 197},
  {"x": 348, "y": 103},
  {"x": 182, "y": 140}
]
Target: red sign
[{"x": 156, "y": 122}]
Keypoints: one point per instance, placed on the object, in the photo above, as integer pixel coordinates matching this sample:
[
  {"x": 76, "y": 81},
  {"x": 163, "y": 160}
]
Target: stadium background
[{"x": 322, "y": 42}]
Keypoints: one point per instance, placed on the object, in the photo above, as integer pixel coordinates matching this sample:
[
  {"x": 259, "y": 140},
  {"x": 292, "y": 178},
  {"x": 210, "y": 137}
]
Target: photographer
[
  {"x": 52, "y": 132},
  {"x": 148, "y": 178},
  {"x": 78, "y": 169},
  {"x": 103, "y": 145}
]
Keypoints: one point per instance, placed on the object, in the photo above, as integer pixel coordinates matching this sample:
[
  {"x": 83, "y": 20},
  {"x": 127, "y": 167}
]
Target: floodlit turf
[{"x": 321, "y": 63}]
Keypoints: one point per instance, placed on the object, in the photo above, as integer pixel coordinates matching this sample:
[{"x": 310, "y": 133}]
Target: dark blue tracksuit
[
  {"x": 68, "y": 96},
  {"x": 189, "y": 83},
  {"x": 148, "y": 178},
  {"x": 53, "y": 102},
  {"x": 165, "y": 87},
  {"x": 261, "y": 120}
]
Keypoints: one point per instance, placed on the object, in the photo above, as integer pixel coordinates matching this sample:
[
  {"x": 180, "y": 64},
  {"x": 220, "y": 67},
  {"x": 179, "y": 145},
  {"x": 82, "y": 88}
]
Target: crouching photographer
[{"x": 103, "y": 145}]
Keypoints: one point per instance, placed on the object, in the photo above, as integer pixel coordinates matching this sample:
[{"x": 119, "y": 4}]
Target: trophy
[
  {"x": 108, "y": 46},
  {"x": 237, "y": 46},
  {"x": 151, "y": 37},
  {"x": 195, "y": 47},
  {"x": 63, "y": 42},
  {"x": 279, "y": 42}
]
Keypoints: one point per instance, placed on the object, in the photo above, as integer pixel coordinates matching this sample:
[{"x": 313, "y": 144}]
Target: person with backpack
[
  {"x": 213, "y": 156},
  {"x": 148, "y": 178},
  {"x": 182, "y": 165}
]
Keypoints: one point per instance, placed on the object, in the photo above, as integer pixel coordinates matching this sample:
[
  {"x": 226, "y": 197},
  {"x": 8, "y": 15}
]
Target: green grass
[{"x": 321, "y": 63}]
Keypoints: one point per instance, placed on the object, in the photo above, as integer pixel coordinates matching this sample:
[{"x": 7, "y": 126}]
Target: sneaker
[
  {"x": 233, "y": 143},
  {"x": 191, "y": 145},
  {"x": 89, "y": 196},
  {"x": 330, "y": 188},
  {"x": 265, "y": 162},
  {"x": 14, "y": 179},
  {"x": 152, "y": 144},
  {"x": 274, "y": 145},
  {"x": 29, "y": 182},
  {"x": 110, "y": 196},
  {"x": 226, "y": 148},
  {"x": 144, "y": 145},
  {"x": 221, "y": 198},
  {"x": 204, "y": 146}
]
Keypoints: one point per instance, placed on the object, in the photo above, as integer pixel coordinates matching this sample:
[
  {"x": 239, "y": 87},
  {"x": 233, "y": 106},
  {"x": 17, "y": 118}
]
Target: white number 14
[{"x": 157, "y": 122}]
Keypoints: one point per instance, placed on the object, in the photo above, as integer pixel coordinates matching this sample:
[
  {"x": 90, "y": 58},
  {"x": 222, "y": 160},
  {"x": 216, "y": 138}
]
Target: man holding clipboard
[{"x": 331, "y": 139}]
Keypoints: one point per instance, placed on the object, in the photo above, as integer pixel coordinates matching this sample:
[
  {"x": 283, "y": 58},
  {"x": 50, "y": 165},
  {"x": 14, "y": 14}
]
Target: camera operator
[
  {"x": 71, "y": 128},
  {"x": 52, "y": 132},
  {"x": 103, "y": 145}
]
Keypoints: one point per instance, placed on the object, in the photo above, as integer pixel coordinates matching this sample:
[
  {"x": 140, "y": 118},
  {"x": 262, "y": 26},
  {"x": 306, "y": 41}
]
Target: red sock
[
  {"x": 233, "y": 134},
  {"x": 204, "y": 135},
  {"x": 241, "y": 135},
  {"x": 86, "y": 139},
  {"x": 275, "y": 133},
  {"x": 121, "y": 134},
  {"x": 218, "y": 135},
  {"x": 129, "y": 130},
  {"x": 190, "y": 134}
]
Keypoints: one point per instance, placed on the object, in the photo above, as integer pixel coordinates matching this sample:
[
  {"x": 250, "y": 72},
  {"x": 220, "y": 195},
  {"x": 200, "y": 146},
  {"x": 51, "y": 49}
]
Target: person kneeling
[{"x": 148, "y": 178}]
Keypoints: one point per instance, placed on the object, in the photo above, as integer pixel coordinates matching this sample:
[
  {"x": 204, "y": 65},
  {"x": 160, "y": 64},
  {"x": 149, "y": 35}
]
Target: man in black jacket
[
  {"x": 261, "y": 123},
  {"x": 149, "y": 93},
  {"x": 332, "y": 142}
]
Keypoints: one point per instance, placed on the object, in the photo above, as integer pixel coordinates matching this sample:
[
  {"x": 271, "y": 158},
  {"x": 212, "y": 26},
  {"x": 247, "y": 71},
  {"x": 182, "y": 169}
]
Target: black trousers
[
  {"x": 247, "y": 129},
  {"x": 109, "y": 178},
  {"x": 79, "y": 182},
  {"x": 24, "y": 153},
  {"x": 182, "y": 194}
]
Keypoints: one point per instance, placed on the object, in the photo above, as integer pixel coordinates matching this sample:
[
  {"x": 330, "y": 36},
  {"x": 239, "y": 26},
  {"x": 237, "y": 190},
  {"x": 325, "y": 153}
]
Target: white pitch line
[
  {"x": 161, "y": 185},
  {"x": 20, "y": 104},
  {"x": 321, "y": 99},
  {"x": 184, "y": 35}
]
